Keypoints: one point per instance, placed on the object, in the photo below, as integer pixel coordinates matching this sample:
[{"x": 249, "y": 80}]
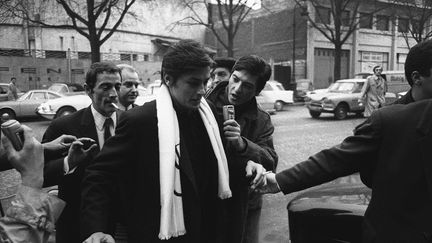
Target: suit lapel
[{"x": 88, "y": 125}]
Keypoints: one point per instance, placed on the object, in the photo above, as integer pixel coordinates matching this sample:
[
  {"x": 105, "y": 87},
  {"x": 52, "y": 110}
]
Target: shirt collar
[{"x": 100, "y": 119}]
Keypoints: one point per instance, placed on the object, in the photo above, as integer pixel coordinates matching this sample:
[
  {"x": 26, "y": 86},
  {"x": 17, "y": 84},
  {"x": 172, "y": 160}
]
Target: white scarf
[{"x": 171, "y": 217}]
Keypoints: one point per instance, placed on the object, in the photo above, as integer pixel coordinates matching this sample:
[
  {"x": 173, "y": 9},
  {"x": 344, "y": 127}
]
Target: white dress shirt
[{"x": 99, "y": 121}]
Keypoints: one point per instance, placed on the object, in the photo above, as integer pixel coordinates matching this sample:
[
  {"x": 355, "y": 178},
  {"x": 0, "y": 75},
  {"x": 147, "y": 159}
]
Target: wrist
[
  {"x": 241, "y": 145},
  {"x": 34, "y": 180}
]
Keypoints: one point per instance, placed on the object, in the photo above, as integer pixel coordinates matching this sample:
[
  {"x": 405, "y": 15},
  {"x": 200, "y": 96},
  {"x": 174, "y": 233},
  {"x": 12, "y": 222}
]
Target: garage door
[{"x": 324, "y": 65}]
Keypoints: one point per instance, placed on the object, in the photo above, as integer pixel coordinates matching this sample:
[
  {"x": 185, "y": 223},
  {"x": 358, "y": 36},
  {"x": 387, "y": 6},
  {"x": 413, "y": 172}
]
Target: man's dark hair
[
  {"x": 98, "y": 68},
  {"x": 419, "y": 59},
  {"x": 13, "y": 78},
  {"x": 224, "y": 62},
  {"x": 183, "y": 57},
  {"x": 255, "y": 66}
]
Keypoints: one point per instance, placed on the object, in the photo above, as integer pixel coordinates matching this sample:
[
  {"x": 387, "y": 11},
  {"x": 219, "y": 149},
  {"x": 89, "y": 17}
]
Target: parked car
[
  {"x": 67, "y": 88},
  {"x": 70, "y": 104},
  {"x": 25, "y": 106},
  {"x": 275, "y": 94},
  {"x": 329, "y": 213},
  {"x": 396, "y": 81},
  {"x": 341, "y": 98},
  {"x": 63, "y": 106},
  {"x": 4, "y": 92},
  {"x": 302, "y": 87}
]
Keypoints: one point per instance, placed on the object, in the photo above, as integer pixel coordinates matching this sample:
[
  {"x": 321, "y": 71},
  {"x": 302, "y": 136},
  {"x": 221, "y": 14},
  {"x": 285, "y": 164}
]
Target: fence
[{"x": 35, "y": 69}]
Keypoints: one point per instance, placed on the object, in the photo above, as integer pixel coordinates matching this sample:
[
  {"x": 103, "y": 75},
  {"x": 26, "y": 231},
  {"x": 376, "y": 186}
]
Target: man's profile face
[
  {"x": 426, "y": 85},
  {"x": 105, "y": 92},
  {"x": 189, "y": 88},
  {"x": 220, "y": 74},
  {"x": 241, "y": 87},
  {"x": 128, "y": 89}
]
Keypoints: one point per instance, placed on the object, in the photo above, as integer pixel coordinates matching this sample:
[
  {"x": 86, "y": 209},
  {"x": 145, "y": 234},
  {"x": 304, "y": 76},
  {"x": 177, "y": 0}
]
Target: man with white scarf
[{"x": 168, "y": 159}]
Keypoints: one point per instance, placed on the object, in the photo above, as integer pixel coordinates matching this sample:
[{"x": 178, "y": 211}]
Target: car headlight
[{"x": 326, "y": 101}]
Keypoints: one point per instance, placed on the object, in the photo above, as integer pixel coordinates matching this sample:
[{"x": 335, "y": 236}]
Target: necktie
[{"x": 107, "y": 131}]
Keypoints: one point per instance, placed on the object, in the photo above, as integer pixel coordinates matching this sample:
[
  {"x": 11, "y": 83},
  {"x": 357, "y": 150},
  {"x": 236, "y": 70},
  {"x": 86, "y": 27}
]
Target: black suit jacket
[
  {"x": 131, "y": 159},
  {"x": 396, "y": 141},
  {"x": 79, "y": 124}
]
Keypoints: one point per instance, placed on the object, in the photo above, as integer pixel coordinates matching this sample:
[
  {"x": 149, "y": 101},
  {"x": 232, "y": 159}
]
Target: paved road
[{"x": 296, "y": 137}]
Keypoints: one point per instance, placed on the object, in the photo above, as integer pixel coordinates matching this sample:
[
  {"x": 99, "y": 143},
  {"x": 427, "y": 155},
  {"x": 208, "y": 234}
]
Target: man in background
[
  {"x": 129, "y": 88},
  {"x": 13, "y": 93},
  {"x": 221, "y": 71},
  {"x": 249, "y": 138},
  {"x": 92, "y": 126}
]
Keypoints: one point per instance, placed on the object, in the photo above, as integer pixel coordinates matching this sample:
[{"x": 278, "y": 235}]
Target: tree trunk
[
  {"x": 337, "y": 62},
  {"x": 95, "y": 51},
  {"x": 230, "y": 49}
]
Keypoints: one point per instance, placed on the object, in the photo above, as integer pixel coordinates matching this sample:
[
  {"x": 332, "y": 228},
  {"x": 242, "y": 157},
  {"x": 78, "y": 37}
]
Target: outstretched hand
[
  {"x": 81, "y": 150},
  {"x": 270, "y": 185},
  {"x": 100, "y": 237}
]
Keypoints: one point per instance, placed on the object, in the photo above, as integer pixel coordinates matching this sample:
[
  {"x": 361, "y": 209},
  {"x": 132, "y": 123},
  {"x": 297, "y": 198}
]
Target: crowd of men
[{"x": 176, "y": 170}]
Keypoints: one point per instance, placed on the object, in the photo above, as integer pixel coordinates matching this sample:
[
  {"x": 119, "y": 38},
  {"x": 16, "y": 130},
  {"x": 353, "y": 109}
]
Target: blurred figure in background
[
  {"x": 221, "y": 71},
  {"x": 373, "y": 95},
  {"x": 13, "y": 93}
]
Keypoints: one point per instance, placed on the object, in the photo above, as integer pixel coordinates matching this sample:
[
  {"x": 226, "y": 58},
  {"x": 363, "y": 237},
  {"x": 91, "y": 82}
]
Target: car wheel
[
  {"x": 315, "y": 114},
  {"x": 65, "y": 111},
  {"x": 10, "y": 113},
  {"x": 341, "y": 112},
  {"x": 278, "y": 105}
]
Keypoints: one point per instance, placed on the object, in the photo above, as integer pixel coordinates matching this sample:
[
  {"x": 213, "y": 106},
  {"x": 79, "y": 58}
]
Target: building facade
[
  {"x": 38, "y": 56},
  {"x": 281, "y": 33}
]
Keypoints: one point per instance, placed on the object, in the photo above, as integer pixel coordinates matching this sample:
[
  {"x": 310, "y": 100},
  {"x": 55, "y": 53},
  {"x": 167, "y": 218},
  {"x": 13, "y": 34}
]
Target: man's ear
[
  {"x": 168, "y": 79},
  {"x": 87, "y": 89},
  {"x": 416, "y": 77}
]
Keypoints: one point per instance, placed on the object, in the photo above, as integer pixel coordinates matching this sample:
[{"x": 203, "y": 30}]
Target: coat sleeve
[
  {"x": 31, "y": 218},
  {"x": 261, "y": 149},
  {"x": 54, "y": 167},
  {"x": 101, "y": 177},
  {"x": 357, "y": 153}
]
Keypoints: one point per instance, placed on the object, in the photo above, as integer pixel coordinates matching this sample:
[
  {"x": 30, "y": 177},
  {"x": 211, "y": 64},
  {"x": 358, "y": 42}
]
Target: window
[
  {"x": 345, "y": 18},
  {"x": 322, "y": 15},
  {"x": 370, "y": 59},
  {"x": 365, "y": 20},
  {"x": 84, "y": 55},
  {"x": 134, "y": 57},
  {"x": 382, "y": 22},
  {"x": 402, "y": 25},
  {"x": 52, "y": 96},
  {"x": 146, "y": 57},
  {"x": 125, "y": 57},
  {"x": 55, "y": 54},
  {"x": 38, "y": 96}
]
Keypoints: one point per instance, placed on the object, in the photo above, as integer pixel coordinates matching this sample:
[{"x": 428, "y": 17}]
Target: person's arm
[
  {"x": 33, "y": 213},
  {"x": 365, "y": 89},
  {"x": 357, "y": 153},
  {"x": 101, "y": 177},
  {"x": 261, "y": 150}
]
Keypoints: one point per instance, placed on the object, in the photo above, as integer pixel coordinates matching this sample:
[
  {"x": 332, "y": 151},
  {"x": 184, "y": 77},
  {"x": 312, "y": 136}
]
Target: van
[{"x": 396, "y": 81}]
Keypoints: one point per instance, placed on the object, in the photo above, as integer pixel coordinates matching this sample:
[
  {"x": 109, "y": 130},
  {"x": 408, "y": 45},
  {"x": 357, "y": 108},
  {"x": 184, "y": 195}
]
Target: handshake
[{"x": 263, "y": 181}]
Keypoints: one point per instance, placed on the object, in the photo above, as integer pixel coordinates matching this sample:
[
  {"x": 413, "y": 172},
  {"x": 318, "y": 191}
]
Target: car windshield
[
  {"x": 279, "y": 87},
  {"x": 57, "y": 88},
  {"x": 342, "y": 87}
]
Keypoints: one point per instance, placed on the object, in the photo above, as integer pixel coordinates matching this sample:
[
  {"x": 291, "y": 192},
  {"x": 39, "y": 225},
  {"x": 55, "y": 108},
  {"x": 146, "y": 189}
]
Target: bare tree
[
  {"x": 229, "y": 16},
  {"x": 96, "y": 20},
  {"x": 337, "y": 20},
  {"x": 417, "y": 16}
]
